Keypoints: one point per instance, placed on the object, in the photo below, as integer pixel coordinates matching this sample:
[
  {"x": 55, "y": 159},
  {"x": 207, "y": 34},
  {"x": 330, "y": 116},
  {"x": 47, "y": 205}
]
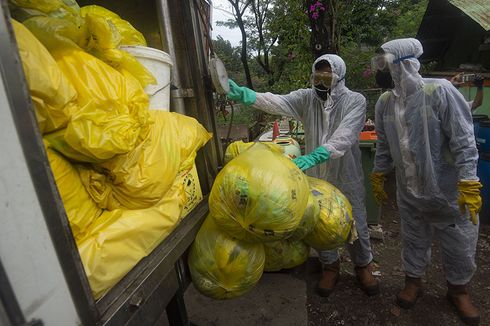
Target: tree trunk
[
  {"x": 243, "y": 54},
  {"x": 324, "y": 32}
]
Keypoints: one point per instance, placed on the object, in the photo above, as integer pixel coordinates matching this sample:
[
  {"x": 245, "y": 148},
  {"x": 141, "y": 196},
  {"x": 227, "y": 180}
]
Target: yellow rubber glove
[
  {"x": 378, "y": 184},
  {"x": 469, "y": 196}
]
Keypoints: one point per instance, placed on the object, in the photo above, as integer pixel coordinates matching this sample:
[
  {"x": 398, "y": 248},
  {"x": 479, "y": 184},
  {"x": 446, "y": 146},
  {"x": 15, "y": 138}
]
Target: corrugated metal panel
[{"x": 478, "y": 10}]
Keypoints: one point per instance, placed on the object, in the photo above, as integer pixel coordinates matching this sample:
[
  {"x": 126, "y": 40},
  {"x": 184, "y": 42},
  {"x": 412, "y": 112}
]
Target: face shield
[{"x": 380, "y": 64}]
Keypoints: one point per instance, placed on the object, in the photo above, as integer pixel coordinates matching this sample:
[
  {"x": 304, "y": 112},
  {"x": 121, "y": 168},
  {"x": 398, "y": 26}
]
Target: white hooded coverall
[
  {"x": 334, "y": 124},
  {"x": 425, "y": 132}
]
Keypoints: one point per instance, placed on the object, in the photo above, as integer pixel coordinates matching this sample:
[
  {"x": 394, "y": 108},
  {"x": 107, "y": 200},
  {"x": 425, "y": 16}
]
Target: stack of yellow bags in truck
[
  {"x": 265, "y": 214},
  {"x": 119, "y": 167}
]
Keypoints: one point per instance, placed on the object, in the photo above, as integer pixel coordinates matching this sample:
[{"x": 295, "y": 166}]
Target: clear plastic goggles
[
  {"x": 325, "y": 79},
  {"x": 381, "y": 62}
]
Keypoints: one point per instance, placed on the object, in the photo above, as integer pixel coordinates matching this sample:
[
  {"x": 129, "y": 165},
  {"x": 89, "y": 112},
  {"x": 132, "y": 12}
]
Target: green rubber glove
[
  {"x": 319, "y": 155},
  {"x": 241, "y": 93}
]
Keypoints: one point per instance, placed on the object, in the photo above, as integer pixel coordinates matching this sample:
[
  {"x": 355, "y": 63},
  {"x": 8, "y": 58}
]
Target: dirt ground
[{"x": 348, "y": 305}]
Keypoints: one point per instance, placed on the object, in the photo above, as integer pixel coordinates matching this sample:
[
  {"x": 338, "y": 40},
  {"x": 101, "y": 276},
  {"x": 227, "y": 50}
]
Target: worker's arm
[
  {"x": 383, "y": 162},
  {"x": 478, "y": 100},
  {"x": 457, "y": 125},
  {"x": 347, "y": 133},
  {"x": 290, "y": 105}
]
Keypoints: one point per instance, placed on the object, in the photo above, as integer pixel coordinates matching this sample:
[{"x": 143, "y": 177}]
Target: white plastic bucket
[{"x": 159, "y": 64}]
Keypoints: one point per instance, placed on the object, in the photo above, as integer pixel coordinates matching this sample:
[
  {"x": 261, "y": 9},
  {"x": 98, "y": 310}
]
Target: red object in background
[
  {"x": 368, "y": 135},
  {"x": 275, "y": 130}
]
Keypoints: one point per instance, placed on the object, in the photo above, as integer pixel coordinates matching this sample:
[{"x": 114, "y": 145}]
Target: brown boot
[
  {"x": 329, "y": 279},
  {"x": 458, "y": 296},
  {"x": 367, "y": 281},
  {"x": 409, "y": 295}
]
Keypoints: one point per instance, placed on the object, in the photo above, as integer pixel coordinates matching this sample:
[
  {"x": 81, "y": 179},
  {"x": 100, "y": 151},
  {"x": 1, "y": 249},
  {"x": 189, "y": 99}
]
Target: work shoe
[
  {"x": 330, "y": 277},
  {"x": 409, "y": 295},
  {"x": 366, "y": 280},
  {"x": 458, "y": 296}
]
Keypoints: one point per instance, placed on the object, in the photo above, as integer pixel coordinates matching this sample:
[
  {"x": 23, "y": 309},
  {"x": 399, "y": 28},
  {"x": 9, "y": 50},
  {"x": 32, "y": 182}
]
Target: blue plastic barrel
[
  {"x": 477, "y": 118},
  {"x": 483, "y": 136},
  {"x": 484, "y": 175}
]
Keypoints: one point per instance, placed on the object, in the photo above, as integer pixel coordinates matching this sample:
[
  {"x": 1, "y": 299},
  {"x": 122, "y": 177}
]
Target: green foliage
[
  {"x": 407, "y": 24},
  {"x": 364, "y": 26},
  {"x": 241, "y": 115},
  {"x": 228, "y": 54},
  {"x": 358, "y": 61}
]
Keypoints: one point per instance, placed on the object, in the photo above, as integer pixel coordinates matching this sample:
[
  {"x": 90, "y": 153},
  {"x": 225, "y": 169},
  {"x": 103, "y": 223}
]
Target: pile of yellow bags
[
  {"x": 119, "y": 167},
  {"x": 262, "y": 200}
]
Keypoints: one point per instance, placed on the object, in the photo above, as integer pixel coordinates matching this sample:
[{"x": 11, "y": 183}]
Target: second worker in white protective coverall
[
  {"x": 332, "y": 116},
  {"x": 425, "y": 133}
]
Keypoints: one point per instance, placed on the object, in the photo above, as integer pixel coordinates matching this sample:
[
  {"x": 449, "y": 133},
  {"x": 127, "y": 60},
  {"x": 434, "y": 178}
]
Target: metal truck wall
[
  {"x": 36, "y": 246},
  {"x": 29, "y": 259}
]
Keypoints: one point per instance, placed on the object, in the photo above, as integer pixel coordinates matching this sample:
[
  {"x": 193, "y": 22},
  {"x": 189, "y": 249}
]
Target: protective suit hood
[
  {"x": 405, "y": 68},
  {"x": 338, "y": 68}
]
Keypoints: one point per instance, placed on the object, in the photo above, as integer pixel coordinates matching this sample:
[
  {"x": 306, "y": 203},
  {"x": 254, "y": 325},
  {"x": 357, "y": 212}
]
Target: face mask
[
  {"x": 384, "y": 80},
  {"x": 322, "y": 92}
]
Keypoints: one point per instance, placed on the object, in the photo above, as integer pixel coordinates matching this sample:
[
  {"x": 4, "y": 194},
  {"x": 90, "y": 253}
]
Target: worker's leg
[
  {"x": 416, "y": 234},
  {"x": 458, "y": 244},
  {"x": 360, "y": 251},
  {"x": 330, "y": 271}
]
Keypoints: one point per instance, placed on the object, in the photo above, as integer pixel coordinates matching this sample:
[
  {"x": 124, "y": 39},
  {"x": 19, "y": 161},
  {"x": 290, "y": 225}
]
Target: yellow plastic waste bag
[
  {"x": 105, "y": 39},
  {"x": 140, "y": 178},
  {"x": 129, "y": 34},
  {"x": 51, "y": 92},
  {"x": 259, "y": 196},
  {"x": 112, "y": 116},
  {"x": 119, "y": 239},
  {"x": 284, "y": 254},
  {"x": 95, "y": 35},
  {"x": 56, "y": 33},
  {"x": 238, "y": 147},
  {"x": 335, "y": 224},
  {"x": 80, "y": 208},
  {"x": 309, "y": 220},
  {"x": 223, "y": 267},
  {"x": 192, "y": 136},
  {"x": 63, "y": 9}
]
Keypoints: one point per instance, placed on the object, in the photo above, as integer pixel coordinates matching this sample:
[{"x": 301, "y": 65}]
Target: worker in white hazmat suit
[
  {"x": 333, "y": 116},
  {"x": 425, "y": 132}
]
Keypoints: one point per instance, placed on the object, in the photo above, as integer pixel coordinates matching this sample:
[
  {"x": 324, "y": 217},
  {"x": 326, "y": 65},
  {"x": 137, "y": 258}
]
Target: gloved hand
[
  {"x": 319, "y": 155},
  {"x": 469, "y": 196},
  {"x": 478, "y": 81},
  {"x": 241, "y": 93},
  {"x": 378, "y": 183}
]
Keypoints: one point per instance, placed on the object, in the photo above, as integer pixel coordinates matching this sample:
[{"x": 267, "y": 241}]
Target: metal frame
[
  {"x": 41, "y": 175},
  {"x": 9, "y": 306}
]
